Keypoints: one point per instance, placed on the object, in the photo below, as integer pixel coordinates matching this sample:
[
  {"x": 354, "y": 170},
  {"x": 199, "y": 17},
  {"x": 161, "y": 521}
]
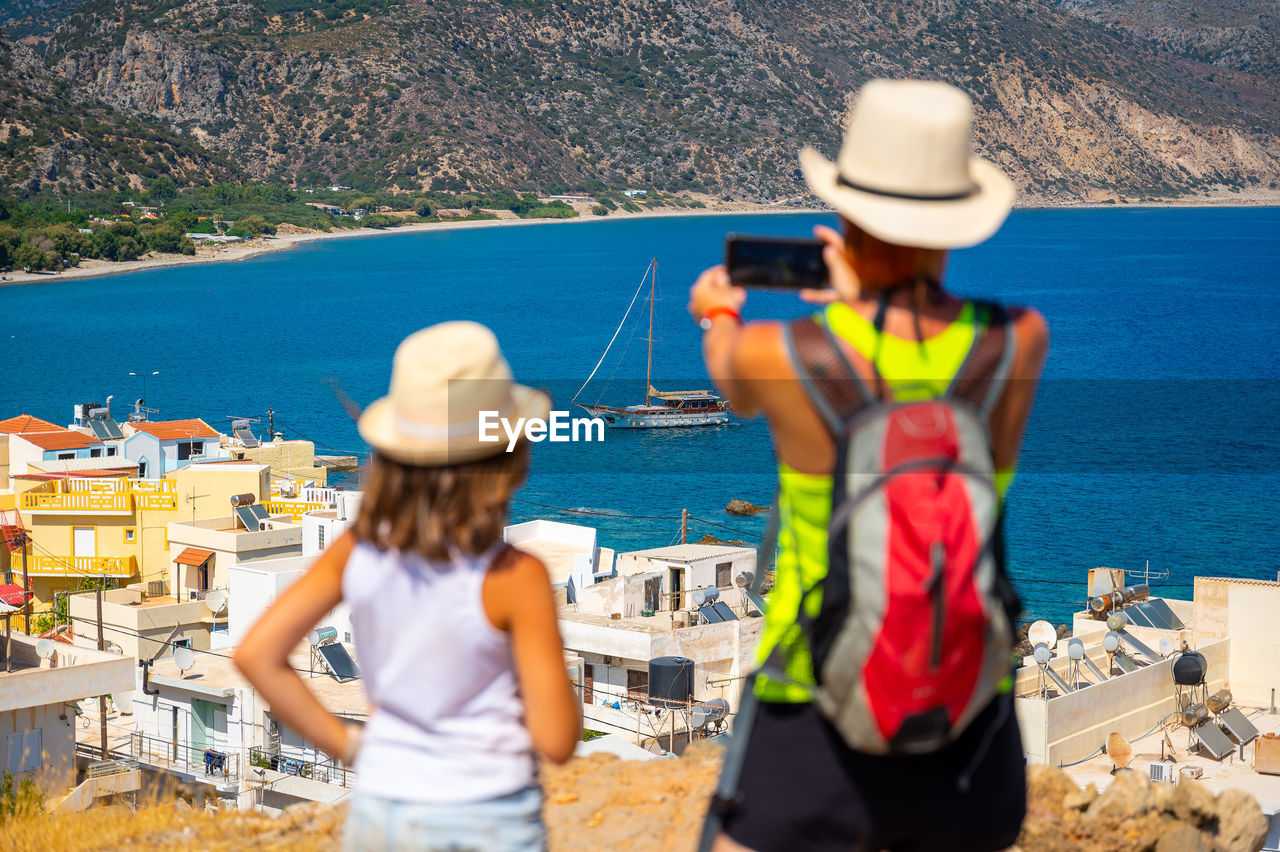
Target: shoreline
[{"x": 295, "y": 237}]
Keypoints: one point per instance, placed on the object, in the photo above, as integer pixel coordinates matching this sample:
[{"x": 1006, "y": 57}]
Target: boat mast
[{"x": 648, "y": 372}]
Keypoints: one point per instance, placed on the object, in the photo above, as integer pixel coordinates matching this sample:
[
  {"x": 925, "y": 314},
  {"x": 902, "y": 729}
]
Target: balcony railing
[
  {"x": 146, "y": 501},
  {"x": 294, "y": 508},
  {"x": 220, "y": 767},
  {"x": 325, "y": 773},
  {"x": 81, "y": 566},
  {"x": 83, "y": 501}
]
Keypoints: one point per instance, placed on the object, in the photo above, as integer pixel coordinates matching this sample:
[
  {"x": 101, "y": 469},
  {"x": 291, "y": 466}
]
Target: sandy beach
[{"x": 290, "y": 236}]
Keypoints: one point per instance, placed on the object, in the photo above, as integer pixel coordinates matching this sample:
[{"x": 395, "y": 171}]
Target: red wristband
[{"x": 718, "y": 311}]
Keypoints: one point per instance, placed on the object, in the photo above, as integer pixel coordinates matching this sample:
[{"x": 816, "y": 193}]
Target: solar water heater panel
[
  {"x": 340, "y": 664},
  {"x": 756, "y": 600},
  {"x": 1126, "y": 663},
  {"x": 112, "y": 429},
  {"x": 1164, "y": 616},
  {"x": 1212, "y": 740},
  {"x": 1237, "y": 726},
  {"x": 248, "y": 518},
  {"x": 99, "y": 428},
  {"x": 259, "y": 512},
  {"x": 711, "y": 615},
  {"x": 1138, "y": 616},
  {"x": 726, "y": 614},
  {"x": 246, "y": 437}
]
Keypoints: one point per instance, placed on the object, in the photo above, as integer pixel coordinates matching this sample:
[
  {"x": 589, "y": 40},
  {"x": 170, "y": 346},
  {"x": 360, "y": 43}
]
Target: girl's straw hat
[
  {"x": 906, "y": 174},
  {"x": 442, "y": 378}
]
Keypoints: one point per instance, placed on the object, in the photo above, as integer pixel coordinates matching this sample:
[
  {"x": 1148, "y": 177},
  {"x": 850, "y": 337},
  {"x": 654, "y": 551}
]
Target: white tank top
[{"x": 446, "y": 723}]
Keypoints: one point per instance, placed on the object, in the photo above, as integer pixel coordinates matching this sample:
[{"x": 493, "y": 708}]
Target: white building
[
  {"x": 38, "y": 707},
  {"x": 571, "y": 553},
  {"x": 209, "y": 729}
]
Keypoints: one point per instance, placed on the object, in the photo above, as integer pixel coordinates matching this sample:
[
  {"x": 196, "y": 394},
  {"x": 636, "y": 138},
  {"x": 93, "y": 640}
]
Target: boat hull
[{"x": 622, "y": 419}]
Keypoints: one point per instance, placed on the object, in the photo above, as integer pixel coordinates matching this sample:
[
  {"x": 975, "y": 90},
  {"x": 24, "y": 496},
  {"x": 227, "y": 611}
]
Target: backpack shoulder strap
[
  {"x": 982, "y": 377},
  {"x": 829, "y": 380}
]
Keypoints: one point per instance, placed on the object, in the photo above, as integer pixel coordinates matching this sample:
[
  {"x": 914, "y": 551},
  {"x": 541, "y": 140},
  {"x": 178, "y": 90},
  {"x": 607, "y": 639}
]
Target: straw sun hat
[
  {"x": 441, "y": 379},
  {"x": 906, "y": 174}
]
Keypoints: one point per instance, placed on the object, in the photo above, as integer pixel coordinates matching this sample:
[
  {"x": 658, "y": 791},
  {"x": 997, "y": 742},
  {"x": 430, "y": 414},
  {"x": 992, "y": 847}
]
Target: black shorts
[{"x": 802, "y": 788}]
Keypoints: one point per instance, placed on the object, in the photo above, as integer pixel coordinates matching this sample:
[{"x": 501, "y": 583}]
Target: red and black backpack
[{"x": 914, "y": 635}]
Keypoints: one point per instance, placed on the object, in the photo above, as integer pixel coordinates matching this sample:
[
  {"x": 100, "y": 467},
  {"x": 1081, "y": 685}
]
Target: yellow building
[{"x": 84, "y": 529}]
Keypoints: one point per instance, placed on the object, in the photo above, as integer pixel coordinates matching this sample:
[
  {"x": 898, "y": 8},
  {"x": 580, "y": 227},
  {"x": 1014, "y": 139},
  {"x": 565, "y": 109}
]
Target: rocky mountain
[
  {"x": 1078, "y": 99},
  {"x": 52, "y": 136}
]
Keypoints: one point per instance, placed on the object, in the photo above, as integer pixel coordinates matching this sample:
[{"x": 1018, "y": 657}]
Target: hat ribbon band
[
  {"x": 907, "y": 196},
  {"x": 429, "y": 432}
]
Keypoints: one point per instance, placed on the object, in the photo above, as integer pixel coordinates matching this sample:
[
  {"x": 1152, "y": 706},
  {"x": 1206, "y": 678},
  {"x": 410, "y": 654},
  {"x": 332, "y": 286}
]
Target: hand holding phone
[{"x": 775, "y": 263}]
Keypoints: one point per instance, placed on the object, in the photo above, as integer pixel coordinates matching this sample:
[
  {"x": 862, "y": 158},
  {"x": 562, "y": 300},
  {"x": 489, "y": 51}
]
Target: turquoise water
[{"x": 1154, "y": 436}]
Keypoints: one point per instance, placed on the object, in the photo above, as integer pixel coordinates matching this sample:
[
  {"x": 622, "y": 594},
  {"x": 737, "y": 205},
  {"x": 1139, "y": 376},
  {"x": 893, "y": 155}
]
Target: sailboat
[{"x": 660, "y": 408}]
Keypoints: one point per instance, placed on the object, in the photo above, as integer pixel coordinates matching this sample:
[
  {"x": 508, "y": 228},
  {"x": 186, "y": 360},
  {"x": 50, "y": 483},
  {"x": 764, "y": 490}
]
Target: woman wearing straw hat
[
  {"x": 908, "y": 190},
  {"x": 456, "y": 633}
]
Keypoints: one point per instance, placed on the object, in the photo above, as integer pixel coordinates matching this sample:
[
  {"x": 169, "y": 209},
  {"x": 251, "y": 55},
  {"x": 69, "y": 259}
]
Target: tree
[
  {"x": 168, "y": 239},
  {"x": 163, "y": 189},
  {"x": 364, "y": 202},
  {"x": 425, "y": 208},
  {"x": 251, "y": 226}
]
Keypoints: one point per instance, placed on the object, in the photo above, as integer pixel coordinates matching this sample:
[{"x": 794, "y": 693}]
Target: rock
[
  {"x": 1127, "y": 796},
  {"x": 1241, "y": 825},
  {"x": 742, "y": 507},
  {"x": 1080, "y": 799},
  {"x": 1184, "y": 838},
  {"x": 1050, "y": 786},
  {"x": 1192, "y": 803}
]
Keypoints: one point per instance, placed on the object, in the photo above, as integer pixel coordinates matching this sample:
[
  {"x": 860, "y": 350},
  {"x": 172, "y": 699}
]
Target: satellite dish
[
  {"x": 44, "y": 649},
  {"x": 1075, "y": 648},
  {"x": 184, "y": 658},
  {"x": 1119, "y": 750},
  {"x": 1042, "y": 654},
  {"x": 1117, "y": 621},
  {"x": 1166, "y": 647},
  {"x": 216, "y": 601},
  {"x": 1042, "y": 632},
  {"x": 1111, "y": 641}
]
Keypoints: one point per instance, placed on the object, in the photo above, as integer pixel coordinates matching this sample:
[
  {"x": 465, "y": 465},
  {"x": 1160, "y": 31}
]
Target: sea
[{"x": 1153, "y": 445}]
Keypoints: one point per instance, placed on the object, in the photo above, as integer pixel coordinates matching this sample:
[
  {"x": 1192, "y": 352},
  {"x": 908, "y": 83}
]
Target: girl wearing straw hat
[
  {"x": 456, "y": 633},
  {"x": 908, "y": 190}
]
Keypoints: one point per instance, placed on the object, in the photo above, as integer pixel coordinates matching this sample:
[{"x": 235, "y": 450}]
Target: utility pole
[
  {"x": 271, "y": 424},
  {"x": 684, "y": 526},
  {"x": 102, "y": 699}
]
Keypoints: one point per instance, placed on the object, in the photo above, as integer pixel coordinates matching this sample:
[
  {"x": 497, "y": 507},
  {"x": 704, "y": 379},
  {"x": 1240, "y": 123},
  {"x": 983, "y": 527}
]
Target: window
[
  {"x": 182, "y": 643},
  {"x": 347, "y": 639},
  {"x": 23, "y": 751},
  {"x": 95, "y": 453},
  {"x": 187, "y": 449},
  {"x": 723, "y": 570},
  {"x": 320, "y": 536},
  {"x": 129, "y": 533},
  {"x": 588, "y": 683},
  {"x": 637, "y": 684},
  {"x": 142, "y": 468},
  {"x": 111, "y": 451},
  {"x": 65, "y": 456}
]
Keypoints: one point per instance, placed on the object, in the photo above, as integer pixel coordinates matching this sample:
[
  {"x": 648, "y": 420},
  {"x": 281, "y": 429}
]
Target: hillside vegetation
[{"x": 1076, "y": 98}]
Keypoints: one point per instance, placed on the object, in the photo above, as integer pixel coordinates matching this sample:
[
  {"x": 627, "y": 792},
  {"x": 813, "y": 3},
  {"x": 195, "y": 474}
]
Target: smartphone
[{"x": 776, "y": 263}]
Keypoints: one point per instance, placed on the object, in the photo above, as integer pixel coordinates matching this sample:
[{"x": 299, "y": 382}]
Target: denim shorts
[{"x": 511, "y": 823}]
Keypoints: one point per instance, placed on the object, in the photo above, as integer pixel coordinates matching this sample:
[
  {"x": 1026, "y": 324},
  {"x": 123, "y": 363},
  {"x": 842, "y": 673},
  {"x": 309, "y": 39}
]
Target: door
[
  {"x": 677, "y": 588},
  {"x": 84, "y": 541},
  {"x": 653, "y": 594},
  {"x": 201, "y": 724}
]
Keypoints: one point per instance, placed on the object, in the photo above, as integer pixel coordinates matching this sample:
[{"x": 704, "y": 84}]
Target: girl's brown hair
[{"x": 431, "y": 509}]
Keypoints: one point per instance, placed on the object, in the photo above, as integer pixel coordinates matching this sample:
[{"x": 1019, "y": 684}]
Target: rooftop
[
  {"x": 172, "y": 430},
  {"x": 63, "y": 439},
  {"x": 1229, "y": 773},
  {"x": 25, "y": 423},
  {"x": 214, "y": 672},
  {"x": 690, "y": 552}
]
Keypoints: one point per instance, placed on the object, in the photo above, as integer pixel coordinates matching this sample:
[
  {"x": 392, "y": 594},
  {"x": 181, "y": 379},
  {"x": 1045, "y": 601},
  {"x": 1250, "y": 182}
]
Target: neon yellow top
[{"x": 913, "y": 370}]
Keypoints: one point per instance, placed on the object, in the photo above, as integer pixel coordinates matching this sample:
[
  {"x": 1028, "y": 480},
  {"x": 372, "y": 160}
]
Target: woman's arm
[
  {"x": 263, "y": 656},
  {"x": 517, "y": 600}
]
